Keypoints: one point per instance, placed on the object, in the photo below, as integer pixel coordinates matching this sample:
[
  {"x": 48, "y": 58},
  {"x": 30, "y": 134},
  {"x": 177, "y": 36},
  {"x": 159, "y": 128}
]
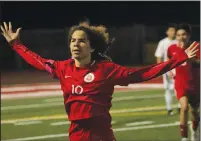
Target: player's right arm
[
  {"x": 30, "y": 57},
  {"x": 159, "y": 52}
]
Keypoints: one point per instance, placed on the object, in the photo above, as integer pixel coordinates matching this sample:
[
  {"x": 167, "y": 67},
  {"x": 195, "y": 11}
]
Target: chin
[{"x": 76, "y": 57}]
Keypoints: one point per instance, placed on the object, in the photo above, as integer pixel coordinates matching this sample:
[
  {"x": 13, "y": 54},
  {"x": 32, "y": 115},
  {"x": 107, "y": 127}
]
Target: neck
[
  {"x": 80, "y": 63},
  {"x": 185, "y": 44},
  {"x": 170, "y": 38}
]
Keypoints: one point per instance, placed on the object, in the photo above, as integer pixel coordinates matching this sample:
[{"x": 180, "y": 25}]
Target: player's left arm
[
  {"x": 171, "y": 73},
  {"x": 124, "y": 76},
  {"x": 153, "y": 71},
  {"x": 156, "y": 70}
]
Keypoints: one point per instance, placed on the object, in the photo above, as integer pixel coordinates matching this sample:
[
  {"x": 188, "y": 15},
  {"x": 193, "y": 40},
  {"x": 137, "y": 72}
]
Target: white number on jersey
[{"x": 77, "y": 89}]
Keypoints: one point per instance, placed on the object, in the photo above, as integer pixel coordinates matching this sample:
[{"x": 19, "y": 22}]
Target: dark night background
[
  {"x": 61, "y": 14},
  {"x": 137, "y": 26}
]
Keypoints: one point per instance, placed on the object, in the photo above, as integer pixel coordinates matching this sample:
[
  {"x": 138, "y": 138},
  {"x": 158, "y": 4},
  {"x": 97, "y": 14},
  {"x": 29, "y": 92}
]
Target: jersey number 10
[{"x": 77, "y": 89}]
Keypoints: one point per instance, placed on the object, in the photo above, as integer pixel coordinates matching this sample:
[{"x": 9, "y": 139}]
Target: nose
[{"x": 76, "y": 43}]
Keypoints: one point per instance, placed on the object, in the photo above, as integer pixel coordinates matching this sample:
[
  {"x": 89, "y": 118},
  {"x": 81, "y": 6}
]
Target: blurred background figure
[
  {"x": 187, "y": 83},
  {"x": 84, "y": 22},
  {"x": 161, "y": 56}
]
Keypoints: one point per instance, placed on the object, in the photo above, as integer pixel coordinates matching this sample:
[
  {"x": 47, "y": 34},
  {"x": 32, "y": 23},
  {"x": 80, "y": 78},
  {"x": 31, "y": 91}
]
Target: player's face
[
  {"x": 182, "y": 36},
  {"x": 171, "y": 32},
  {"x": 80, "y": 45}
]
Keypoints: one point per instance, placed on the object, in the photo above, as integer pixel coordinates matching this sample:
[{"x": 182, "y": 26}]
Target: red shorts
[
  {"x": 193, "y": 96},
  {"x": 94, "y": 129}
]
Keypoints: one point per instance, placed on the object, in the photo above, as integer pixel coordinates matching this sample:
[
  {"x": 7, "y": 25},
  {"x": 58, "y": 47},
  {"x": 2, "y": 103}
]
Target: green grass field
[{"x": 137, "y": 116}]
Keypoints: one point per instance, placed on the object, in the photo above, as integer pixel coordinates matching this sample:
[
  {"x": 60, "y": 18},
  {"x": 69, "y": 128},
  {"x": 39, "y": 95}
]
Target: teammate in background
[
  {"x": 85, "y": 22},
  {"x": 187, "y": 83},
  {"x": 161, "y": 56},
  {"x": 88, "y": 80}
]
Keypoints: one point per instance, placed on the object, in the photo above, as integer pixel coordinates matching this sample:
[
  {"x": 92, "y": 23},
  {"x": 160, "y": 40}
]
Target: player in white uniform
[{"x": 161, "y": 55}]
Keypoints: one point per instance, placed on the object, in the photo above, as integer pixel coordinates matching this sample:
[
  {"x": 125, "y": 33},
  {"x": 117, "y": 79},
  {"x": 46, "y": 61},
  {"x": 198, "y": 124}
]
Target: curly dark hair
[{"x": 98, "y": 37}]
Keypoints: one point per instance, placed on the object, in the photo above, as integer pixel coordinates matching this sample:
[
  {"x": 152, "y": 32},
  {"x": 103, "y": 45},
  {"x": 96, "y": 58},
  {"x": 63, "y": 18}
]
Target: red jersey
[
  {"x": 88, "y": 91},
  {"x": 187, "y": 76}
]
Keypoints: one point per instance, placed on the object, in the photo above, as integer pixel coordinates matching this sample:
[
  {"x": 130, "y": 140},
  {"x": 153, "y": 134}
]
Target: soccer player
[
  {"x": 88, "y": 80},
  {"x": 187, "y": 83},
  {"x": 85, "y": 22},
  {"x": 161, "y": 56}
]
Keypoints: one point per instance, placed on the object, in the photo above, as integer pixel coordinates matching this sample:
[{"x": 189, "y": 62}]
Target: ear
[{"x": 166, "y": 32}]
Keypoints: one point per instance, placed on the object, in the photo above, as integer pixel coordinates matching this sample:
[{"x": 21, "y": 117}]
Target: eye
[
  {"x": 82, "y": 41},
  {"x": 72, "y": 40}
]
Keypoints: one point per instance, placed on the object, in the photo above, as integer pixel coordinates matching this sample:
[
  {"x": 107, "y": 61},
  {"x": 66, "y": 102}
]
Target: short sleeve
[{"x": 159, "y": 50}]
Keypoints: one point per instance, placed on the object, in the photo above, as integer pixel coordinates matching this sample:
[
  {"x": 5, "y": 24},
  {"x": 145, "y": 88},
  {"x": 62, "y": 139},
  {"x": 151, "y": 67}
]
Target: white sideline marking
[
  {"x": 30, "y": 88},
  {"x": 60, "y": 123},
  {"x": 38, "y": 137},
  {"x": 67, "y": 123},
  {"x": 32, "y": 94},
  {"x": 139, "y": 123},
  {"x": 59, "y": 99},
  {"x": 178, "y": 122},
  {"x": 59, "y": 91},
  {"x": 113, "y": 122},
  {"x": 58, "y": 86},
  {"x": 134, "y": 86},
  {"x": 45, "y": 94},
  {"x": 59, "y": 103},
  {"x": 146, "y": 127},
  {"x": 27, "y": 122},
  {"x": 31, "y": 106},
  {"x": 115, "y": 130},
  {"x": 48, "y": 94},
  {"x": 140, "y": 109},
  {"x": 115, "y": 99},
  {"x": 34, "y": 118},
  {"x": 137, "y": 97}
]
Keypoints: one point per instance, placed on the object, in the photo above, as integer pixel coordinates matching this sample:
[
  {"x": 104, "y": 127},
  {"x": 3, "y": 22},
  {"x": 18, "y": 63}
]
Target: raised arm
[
  {"x": 30, "y": 57},
  {"x": 124, "y": 76}
]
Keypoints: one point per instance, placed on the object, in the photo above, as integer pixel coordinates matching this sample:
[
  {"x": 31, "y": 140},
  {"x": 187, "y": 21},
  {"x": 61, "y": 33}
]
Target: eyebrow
[
  {"x": 78, "y": 39},
  {"x": 181, "y": 33}
]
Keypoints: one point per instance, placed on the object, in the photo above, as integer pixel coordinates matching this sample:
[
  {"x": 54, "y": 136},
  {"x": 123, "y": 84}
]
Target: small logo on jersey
[
  {"x": 174, "y": 53},
  {"x": 89, "y": 77},
  {"x": 67, "y": 76}
]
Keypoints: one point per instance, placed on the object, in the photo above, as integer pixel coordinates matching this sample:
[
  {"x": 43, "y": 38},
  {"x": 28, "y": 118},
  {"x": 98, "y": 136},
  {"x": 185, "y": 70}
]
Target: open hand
[
  {"x": 192, "y": 50},
  {"x": 8, "y": 33}
]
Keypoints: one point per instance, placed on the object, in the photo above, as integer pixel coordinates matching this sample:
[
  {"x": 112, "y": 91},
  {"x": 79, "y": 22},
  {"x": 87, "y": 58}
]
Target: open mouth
[{"x": 76, "y": 51}]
